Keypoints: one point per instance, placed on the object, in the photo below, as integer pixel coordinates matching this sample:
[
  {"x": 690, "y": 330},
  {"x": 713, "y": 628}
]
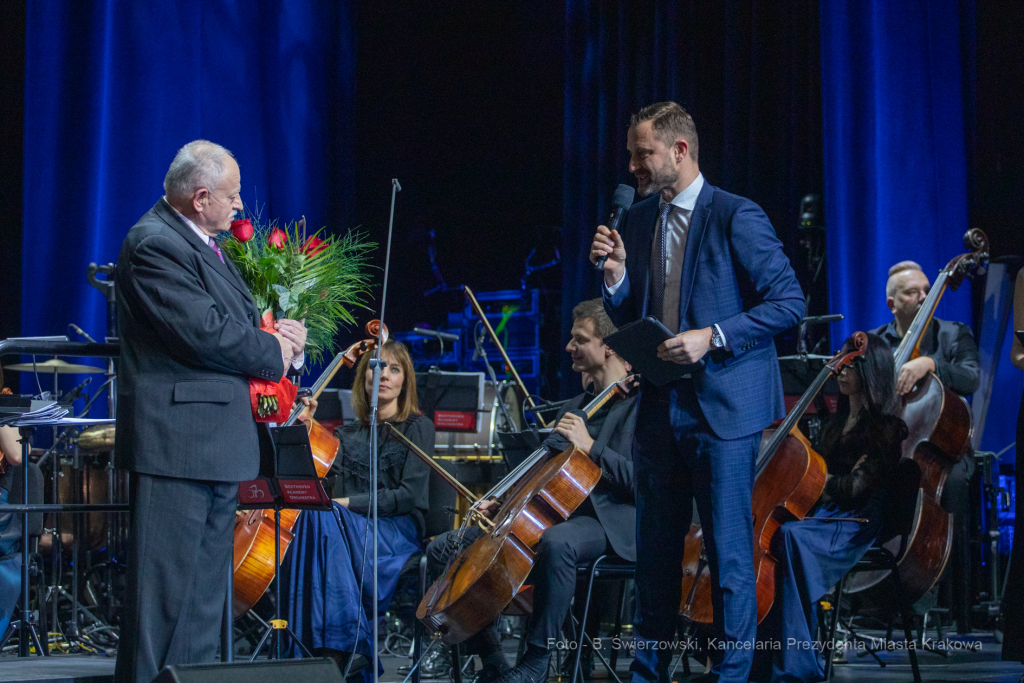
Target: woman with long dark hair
[
  {"x": 327, "y": 575},
  {"x": 861, "y": 446}
]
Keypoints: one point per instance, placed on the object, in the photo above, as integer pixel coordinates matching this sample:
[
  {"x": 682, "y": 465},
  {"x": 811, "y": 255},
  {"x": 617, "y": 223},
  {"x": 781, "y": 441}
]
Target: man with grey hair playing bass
[{"x": 190, "y": 341}]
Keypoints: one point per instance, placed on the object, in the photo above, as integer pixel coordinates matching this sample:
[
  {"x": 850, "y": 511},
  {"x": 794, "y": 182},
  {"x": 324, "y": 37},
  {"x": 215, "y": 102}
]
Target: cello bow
[{"x": 445, "y": 474}]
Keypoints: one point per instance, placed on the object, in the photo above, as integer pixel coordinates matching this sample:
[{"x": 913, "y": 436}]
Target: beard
[{"x": 662, "y": 177}]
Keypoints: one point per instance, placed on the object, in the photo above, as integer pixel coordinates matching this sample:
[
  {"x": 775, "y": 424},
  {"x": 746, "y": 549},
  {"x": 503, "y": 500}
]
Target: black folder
[{"x": 637, "y": 343}]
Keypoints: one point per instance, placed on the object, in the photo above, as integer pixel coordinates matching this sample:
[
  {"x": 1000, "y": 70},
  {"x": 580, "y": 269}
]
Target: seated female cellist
[
  {"x": 321, "y": 572},
  {"x": 861, "y": 448}
]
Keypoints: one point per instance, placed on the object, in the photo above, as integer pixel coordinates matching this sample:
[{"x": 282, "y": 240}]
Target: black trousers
[
  {"x": 181, "y": 546},
  {"x": 955, "y": 587},
  {"x": 578, "y": 540}
]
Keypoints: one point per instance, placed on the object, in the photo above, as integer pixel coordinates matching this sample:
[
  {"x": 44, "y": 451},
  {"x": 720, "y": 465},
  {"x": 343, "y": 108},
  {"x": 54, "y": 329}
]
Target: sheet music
[{"x": 41, "y": 416}]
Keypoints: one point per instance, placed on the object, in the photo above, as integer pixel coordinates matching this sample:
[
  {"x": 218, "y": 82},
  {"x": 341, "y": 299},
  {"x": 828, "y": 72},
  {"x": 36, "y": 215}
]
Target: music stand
[
  {"x": 288, "y": 480},
  {"x": 517, "y": 446},
  {"x": 454, "y": 401}
]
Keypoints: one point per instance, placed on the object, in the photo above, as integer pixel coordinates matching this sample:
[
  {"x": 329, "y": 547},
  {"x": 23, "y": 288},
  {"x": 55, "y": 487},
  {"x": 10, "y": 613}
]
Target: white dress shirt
[
  {"x": 676, "y": 230},
  {"x": 298, "y": 360}
]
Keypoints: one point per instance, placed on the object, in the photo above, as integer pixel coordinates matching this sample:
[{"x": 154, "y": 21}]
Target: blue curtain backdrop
[
  {"x": 894, "y": 146},
  {"x": 746, "y": 70},
  {"x": 113, "y": 89}
]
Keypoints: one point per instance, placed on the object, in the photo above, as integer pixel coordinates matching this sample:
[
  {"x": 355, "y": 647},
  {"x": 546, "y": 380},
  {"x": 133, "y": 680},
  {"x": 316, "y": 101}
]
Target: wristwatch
[{"x": 717, "y": 342}]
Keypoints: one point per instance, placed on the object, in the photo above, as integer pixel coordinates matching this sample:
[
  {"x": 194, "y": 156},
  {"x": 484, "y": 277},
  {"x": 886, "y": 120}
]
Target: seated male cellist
[
  {"x": 604, "y": 524},
  {"x": 948, "y": 350}
]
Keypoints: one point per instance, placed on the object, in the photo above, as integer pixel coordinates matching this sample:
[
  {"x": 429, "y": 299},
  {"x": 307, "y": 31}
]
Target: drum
[{"x": 483, "y": 444}]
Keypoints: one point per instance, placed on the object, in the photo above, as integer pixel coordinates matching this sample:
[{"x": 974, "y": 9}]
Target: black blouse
[
  {"x": 880, "y": 438},
  {"x": 402, "y": 479}
]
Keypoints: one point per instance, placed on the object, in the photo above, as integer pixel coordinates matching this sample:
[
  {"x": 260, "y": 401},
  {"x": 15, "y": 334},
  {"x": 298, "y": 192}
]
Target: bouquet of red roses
[{"x": 318, "y": 279}]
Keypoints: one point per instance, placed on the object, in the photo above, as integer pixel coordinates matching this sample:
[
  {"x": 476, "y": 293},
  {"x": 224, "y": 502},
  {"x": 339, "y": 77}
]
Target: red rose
[
  {"x": 313, "y": 246},
  {"x": 277, "y": 238},
  {"x": 242, "y": 230}
]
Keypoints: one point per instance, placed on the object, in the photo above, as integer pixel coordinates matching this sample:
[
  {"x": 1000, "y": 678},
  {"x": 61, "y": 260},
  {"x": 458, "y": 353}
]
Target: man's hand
[
  {"x": 609, "y": 243},
  {"x": 287, "y": 351},
  {"x": 574, "y": 428},
  {"x": 912, "y": 372},
  {"x": 343, "y": 502},
  {"x": 489, "y": 508},
  {"x": 295, "y": 332},
  {"x": 686, "y": 347},
  {"x": 310, "y": 410}
]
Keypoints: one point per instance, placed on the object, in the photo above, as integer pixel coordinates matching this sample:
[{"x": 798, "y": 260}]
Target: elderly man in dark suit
[
  {"x": 190, "y": 341},
  {"x": 604, "y": 524},
  {"x": 708, "y": 265}
]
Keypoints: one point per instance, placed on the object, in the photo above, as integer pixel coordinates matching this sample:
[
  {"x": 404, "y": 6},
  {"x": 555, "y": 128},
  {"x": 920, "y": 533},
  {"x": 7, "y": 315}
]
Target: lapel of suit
[
  {"x": 644, "y": 217},
  {"x": 613, "y": 418},
  {"x": 694, "y": 239},
  {"x": 228, "y": 272},
  {"x": 253, "y": 311}
]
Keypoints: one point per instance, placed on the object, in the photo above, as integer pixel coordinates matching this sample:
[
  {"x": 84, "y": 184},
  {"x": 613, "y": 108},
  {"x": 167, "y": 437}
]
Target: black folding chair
[{"x": 897, "y": 529}]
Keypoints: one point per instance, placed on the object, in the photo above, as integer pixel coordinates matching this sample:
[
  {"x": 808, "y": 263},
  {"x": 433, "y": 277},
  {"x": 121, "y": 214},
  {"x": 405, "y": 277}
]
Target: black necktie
[{"x": 658, "y": 275}]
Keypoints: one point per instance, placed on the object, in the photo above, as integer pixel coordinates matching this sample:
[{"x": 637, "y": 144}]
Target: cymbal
[
  {"x": 98, "y": 439},
  {"x": 56, "y": 365},
  {"x": 810, "y": 356}
]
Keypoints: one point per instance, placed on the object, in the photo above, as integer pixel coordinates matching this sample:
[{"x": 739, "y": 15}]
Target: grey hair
[{"x": 198, "y": 164}]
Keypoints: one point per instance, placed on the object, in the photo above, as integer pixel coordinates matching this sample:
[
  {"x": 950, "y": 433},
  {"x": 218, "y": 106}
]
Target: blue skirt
[
  {"x": 321, "y": 572},
  {"x": 813, "y": 555},
  {"x": 10, "y": 566}
]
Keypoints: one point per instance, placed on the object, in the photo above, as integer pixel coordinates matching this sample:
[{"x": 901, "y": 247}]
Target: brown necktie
[{"x": 658, "y": 276}]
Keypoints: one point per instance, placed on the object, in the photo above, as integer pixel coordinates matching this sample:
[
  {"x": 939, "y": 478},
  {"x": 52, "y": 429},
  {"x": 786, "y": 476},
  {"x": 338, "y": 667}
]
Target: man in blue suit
[{"x": 708, "y": 265}]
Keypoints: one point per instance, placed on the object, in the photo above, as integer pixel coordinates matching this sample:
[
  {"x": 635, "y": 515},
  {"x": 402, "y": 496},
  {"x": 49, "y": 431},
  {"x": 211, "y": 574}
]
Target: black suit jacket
[
  {"x": 190, "y": 341},
  {"x": 951, "y": 345},
  {"x": 613, "y": 498}
]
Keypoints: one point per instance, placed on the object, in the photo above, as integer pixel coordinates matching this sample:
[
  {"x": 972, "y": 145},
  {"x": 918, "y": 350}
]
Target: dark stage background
[{"x": 505, "y": 123}]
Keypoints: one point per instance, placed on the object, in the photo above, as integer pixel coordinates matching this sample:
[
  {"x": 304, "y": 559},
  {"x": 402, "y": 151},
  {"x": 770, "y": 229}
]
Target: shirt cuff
[
  {"x": 725, "y": 342},
  {"x": 614, "y": 288},
  {"x": 299, "y": 360}
]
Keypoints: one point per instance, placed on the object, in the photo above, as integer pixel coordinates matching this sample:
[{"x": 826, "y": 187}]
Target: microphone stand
[
  {"x": 478, "y": 341},
  {"x": 375, "y": 364}
]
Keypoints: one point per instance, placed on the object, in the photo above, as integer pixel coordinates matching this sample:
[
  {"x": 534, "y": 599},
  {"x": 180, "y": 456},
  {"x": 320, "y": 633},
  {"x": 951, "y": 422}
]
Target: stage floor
[{"x": 960, "y": 666}]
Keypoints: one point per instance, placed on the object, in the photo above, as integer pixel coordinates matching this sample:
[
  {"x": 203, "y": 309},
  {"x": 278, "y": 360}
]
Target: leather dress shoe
[
  {"x": 490, "y": 673},
  {"x": 529, "y": 670},
  {"x": 437, "y": 664}
]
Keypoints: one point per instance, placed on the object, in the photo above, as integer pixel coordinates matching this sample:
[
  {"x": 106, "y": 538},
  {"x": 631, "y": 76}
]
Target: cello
[
  {"x": 482, "y": 579},
  {"x": 940, "y": 427},
  {"x": 254, "y": 535},
  {"x": 788, "y": 481}
]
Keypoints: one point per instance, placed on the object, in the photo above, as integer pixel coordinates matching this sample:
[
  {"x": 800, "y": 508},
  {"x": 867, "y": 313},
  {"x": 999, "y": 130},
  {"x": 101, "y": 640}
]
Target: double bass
[
  {"x": 788, "y": 481},
  {"x": 481, "y": 580},
  {"x": 254, "y": 565},
  {"x": 940, "y": 427}
]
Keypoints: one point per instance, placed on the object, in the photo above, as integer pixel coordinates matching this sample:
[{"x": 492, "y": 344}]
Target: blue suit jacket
[{"x": 734, "y": 274}]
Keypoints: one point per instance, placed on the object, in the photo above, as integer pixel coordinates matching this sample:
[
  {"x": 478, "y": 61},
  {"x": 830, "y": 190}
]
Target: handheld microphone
[
  {"x": 621, "y": 201},
  {"x": 446, "y": 336},
  {"x": 80, "y": 331}
]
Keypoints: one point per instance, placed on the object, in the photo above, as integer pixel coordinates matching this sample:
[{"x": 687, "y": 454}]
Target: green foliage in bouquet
[{"x": 320, "y": 278}]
